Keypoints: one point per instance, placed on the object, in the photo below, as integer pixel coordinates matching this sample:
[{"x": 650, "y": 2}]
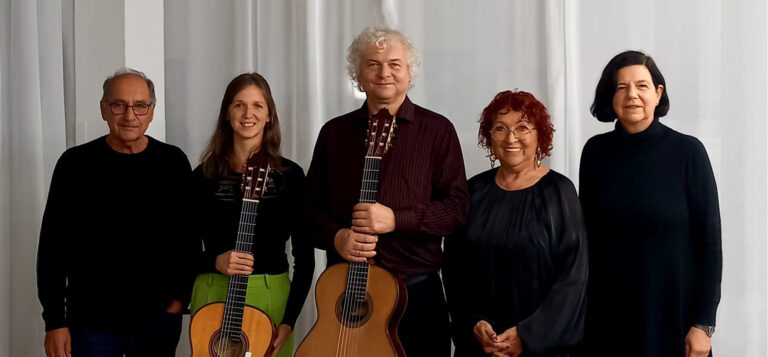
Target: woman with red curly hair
[{"x": 516, "y": 273}]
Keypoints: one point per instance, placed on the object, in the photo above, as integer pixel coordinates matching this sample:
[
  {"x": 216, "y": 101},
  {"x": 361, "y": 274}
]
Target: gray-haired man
[{"x": 110, "y": 273}]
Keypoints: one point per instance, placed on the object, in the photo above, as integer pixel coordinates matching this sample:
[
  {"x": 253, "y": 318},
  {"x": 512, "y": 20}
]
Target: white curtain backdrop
[
  {"x": 32, "y": 136},
  {"x": 713, "y": 54}
]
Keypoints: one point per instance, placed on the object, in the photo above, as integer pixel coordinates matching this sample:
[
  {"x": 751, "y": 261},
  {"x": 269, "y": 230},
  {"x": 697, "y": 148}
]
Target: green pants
[{"x": 267, "y": 292}]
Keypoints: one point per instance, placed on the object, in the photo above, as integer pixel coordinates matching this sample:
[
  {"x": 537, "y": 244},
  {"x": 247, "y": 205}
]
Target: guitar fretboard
[
  {"x": 238, "y": 284},
  {"x": 357, "y": 277}
]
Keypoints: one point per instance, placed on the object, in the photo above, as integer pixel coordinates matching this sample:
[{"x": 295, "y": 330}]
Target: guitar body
[
  {"x": 370, "y": 331},
  {"x": 205, "y": 332}
]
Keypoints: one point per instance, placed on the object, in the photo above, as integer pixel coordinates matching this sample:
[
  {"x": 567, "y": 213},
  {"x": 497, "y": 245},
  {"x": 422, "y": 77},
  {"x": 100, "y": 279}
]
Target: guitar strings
[
  {"x": 228, "y": 318},
  {"x": 343, "y": 339},
  {"x": 371, "y": 184},
  {"x": 358, "y": 273},
  {"x": 352, "y": 274},
  {"x": 246, "y": 230}
]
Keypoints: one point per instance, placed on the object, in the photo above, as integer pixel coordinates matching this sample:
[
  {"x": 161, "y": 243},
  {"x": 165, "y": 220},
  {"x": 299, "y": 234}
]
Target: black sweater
[
  {"x": 112, "y": 247},
  {"x": 280, "y": 216},
  {"x": 653, "y": 222}
]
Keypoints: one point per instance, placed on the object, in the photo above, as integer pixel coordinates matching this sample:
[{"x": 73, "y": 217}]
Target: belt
[{"x": 413, "y": 280}]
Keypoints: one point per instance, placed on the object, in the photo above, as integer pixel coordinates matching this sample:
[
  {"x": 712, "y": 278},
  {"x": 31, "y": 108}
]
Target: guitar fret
[{"x": 234, "y": 305}]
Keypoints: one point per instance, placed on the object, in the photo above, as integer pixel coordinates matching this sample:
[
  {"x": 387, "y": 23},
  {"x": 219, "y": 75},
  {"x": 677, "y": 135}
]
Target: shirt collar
[{"x": 407, "y": 110}]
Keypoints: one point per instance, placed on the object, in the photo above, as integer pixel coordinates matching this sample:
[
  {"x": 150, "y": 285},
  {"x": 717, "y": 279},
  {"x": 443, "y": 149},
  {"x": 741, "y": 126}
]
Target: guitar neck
[
  {"x": 238, "y": 284},
  {"x": 357, "y": 277}
]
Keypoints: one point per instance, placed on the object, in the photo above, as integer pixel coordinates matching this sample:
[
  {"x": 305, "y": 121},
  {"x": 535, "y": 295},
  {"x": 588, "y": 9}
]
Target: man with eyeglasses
[{"x": 110, "y": 263}]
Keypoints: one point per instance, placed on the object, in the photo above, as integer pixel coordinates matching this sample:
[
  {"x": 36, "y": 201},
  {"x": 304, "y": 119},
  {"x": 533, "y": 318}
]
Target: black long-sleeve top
[
  {"x": 520, "y": 260},
  {"x": 281, "y": 215},
  {"x": 422, "y": 180},
  {"x": 651, "y": 209},
  {"x": 114, "y": 239}
]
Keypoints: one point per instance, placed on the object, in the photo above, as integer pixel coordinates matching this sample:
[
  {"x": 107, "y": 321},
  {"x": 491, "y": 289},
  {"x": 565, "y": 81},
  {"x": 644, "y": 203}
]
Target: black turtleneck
[{"x": 653, "y": 224}]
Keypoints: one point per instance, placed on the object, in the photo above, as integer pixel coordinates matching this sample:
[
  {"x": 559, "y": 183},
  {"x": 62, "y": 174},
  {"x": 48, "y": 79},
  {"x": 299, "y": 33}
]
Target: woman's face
[
  {"x": 513, "y": 139},
  {"x": 635, "y": 98},
  {"x": 248, "y": 113}
]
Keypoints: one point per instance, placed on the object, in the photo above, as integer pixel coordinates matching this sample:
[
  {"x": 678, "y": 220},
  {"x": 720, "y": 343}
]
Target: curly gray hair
[
  {"x": 124, "y": 72},
  {"x": 379, "y": 36}
]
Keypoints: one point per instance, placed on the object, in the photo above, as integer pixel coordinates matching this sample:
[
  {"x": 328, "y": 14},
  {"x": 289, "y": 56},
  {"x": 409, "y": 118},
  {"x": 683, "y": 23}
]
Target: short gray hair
[
  {"x": 379, "y": 36},
  {"x": 124, "y": 72}
]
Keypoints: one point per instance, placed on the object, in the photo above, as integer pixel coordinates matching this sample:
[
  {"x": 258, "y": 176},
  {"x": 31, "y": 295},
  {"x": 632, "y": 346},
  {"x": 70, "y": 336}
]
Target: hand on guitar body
[
  {"x": 508, "y": 344},
  {"x": 283, "y": 331},
  {"x": 234, "y": 263}
]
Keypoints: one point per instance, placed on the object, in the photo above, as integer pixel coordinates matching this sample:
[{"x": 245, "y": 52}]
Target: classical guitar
[
  {"x": 232, "y": 328},
  {"x": 359, "y": 305}
]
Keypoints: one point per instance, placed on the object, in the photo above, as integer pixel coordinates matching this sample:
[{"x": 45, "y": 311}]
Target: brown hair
[{"x": 215, "y": 158}]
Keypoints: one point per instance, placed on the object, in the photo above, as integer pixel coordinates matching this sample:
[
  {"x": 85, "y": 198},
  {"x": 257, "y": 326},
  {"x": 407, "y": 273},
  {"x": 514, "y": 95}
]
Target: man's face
[
  {"x": 127, "y": 91},
  {"x": 384, "y": 72}
]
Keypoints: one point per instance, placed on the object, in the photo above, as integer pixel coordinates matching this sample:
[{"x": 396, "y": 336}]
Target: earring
[
  {"x": 268, "y": 125},
  {"x": 492, "y": 157},
  {"x": 538, "y": 157}
]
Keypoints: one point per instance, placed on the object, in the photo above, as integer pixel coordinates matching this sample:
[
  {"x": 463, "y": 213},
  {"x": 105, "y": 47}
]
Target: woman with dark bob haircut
[
  {"x": 248, "y": 124},
  {"x": 516, "y": 273},
  {"x": 651, "y": 210}
]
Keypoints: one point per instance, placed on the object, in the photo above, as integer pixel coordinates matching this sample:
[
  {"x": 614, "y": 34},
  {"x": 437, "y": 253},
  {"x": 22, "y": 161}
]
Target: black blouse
[
  {"x": 520, "y": 260},
  {"x": 280, "y": 216}
]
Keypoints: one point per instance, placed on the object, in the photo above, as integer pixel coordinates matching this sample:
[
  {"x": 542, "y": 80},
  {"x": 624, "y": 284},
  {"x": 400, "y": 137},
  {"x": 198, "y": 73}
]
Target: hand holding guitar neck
[
  {"x": 234, "y": 263},
  {"x": 373, "y": 218},
  {"x": 355, "y": 247}
]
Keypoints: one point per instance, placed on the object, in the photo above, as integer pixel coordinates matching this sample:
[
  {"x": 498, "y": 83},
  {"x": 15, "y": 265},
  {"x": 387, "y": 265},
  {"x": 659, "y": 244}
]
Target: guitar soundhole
[
  {"x": 354, "y": 312},
  {"x": 231, "y": 346}
]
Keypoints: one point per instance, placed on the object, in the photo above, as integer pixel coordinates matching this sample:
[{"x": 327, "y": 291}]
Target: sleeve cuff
[
  {"x": 325, "y": 242},
  {"x": 707, "y": 314},
  {"x": 52, "y": 324},
  {"x": 405, "y": 220},
  {"x": 290, "y": 322}
]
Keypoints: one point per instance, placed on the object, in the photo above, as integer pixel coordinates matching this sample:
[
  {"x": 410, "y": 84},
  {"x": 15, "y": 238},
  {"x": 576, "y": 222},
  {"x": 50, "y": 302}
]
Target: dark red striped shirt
[{"x": 422, "y": 180}]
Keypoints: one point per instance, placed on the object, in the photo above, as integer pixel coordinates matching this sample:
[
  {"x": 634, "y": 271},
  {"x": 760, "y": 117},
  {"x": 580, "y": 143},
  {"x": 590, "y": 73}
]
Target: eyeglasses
[
  {"x": 501, "y": 132},
  {"x": 119, "y": 108}
]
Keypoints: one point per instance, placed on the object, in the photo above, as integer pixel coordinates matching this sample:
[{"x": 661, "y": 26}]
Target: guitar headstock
[
  {"x": 379, "y": 135},
  {"x": 255, "y": 177}
]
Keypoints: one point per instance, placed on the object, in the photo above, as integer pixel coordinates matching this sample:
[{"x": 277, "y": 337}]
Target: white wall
[{"x": 108, "y": 35}]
